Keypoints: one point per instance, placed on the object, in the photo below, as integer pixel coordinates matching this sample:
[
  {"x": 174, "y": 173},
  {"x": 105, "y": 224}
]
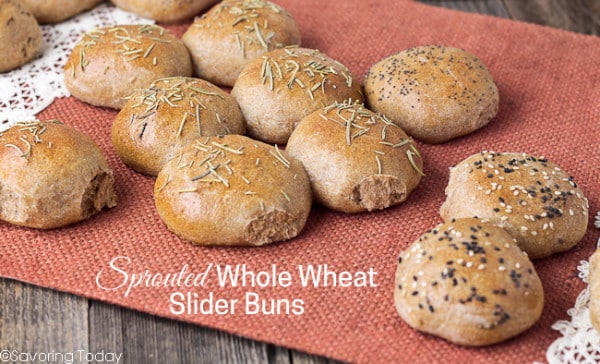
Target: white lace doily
[
  {"x": 580, "y": 342},
  {"x": 26, "y": 91}
]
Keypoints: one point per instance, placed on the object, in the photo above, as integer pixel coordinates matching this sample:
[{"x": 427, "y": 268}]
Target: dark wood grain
[
  {"x": 581, "y": 16},
  {"x": 37, "y": 319}
]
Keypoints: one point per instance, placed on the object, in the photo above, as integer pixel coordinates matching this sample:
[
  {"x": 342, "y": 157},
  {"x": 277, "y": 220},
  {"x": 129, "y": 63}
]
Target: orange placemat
[{"x": 550, "y": 105}]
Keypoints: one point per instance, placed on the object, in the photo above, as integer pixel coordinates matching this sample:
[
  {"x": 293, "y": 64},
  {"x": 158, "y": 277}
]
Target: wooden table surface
[{"x": 34, "y": 319}]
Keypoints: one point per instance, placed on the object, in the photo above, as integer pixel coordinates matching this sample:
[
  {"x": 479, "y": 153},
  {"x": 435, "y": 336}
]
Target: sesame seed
[
  {"x": 501, "y": 268},
  {"x": 481, "y": 266}
]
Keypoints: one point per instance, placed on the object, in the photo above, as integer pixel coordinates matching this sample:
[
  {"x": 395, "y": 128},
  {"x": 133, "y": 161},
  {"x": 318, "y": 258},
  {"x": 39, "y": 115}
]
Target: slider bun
[
  {"x": 108, "y": 64},
  {"x": 594, "y": 287},
  {"x": 232, "y": 190},
  {"x": 20, "y": 35},
  {"x": 55, "y": 11},
  {"x": 167, "y": 11},
  {"x": 467, "y": 281},
  {"x": 231, "y": 34},
  {"x": 156, "y": 122},
  {"x": 535, "y": 200},
  {"x": 356, "y": 160},
  {"x": 51, "y": 175},
  {"x": 434, "y": 93}
]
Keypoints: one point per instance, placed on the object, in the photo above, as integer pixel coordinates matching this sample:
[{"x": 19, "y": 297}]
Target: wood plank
[
  {"x": 144, "y": 338},
  {"x": 34, "y": 319},
  {"x": 490, "y": 7},
  {"x": 581, "y": 16}
]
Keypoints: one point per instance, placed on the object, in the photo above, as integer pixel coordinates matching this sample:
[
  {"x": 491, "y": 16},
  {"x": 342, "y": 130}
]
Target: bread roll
[
  {"x": 232, "y": 190},
  {"x": 20, "y": 35},
  {"x": 55, "y": 11},
  {"x": 278, "y": 89},
  {"x": 536, "y": 201},
  {"x": 231, "y": 34},
  {"x": 108, "y": 64},
  {"x": 434, "y": 93},
  {"x": 356, "y": 160},
  {"x": 167, "y": 11},
  {"x": 467, "y": 281},
  {"x": 156, "y": 122},
  {"x": 51, "y": 175},
  {"x": 594, "y": 280}
]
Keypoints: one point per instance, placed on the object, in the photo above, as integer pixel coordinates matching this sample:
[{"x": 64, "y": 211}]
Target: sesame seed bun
[
  {"x": 51, "y": 176},
  {"x": 434, "y": 93},
  {"x": 233, "y": 190},
  {"x": 278, "y": 89},
  {"x": 468, "y": 282},
  {"x": 231, "y": 34},
  {"x": 108, "y": 64},
  {"x": 535, "y": 200},
  {"x": 156, "y": 122},
  {"x": 356, "y": 160}
]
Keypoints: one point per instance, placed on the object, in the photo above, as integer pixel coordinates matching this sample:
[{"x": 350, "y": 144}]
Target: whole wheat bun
[
  {"x": 232, "y": 190},
  {"x": 231, "y": 34},
  {"x": 356, "y": 160},
  {"x": 594, "y": 287},
  {"x": 536, "y": 201},
  {"x": 156, "y": 122},
  {"x": 55, "y": 11},
  {"x": 467, "y": 281},
  {"x": 20, "y": 35},
  {"x": 167, "y": 11},
  {"x": 278, "y": 89},
  {"x": 51, "y": 175},
  {"x": 434, "y": 93},
  {"x": 108, "y": 64}
]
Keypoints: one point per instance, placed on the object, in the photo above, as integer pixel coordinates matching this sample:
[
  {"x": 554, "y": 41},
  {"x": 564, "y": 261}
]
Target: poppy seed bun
[
  {"x": 55, "y": 11},
  {"x": 467, "y": 281},
  {"x": 356, "y": 160},
  {"x": 108, "y": 64},
  {"x": 20, "y": 35},
  {"x": 594, "y": 287},
  {"x": 278, "y": 89},
  {"x": 168, "y": 11},
  {"x": 156, "y": 122},
  {"x": 434, "y": 93},
  {"x": 51, "y": 175},
  {"x": 233, "y": 190},
  {"x": 536, "y": 201},
  {"x": 231, "y": 34}
]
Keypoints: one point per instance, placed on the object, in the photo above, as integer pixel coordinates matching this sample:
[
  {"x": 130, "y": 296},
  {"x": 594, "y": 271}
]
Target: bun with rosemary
[
  {"x": 156, "y": 122},
  {"x": 535, "y": 200},
  {"x": 167, "y": 11},
  {"x": 231, "y": 34},
  {"x": 20, "y": 35},
  {"x": 434, "y": 93},
  {"x": 55, "y": 11},
  {"x": 108, "y": 64},
  {"x": 232, "y": 190},
  {"x": 278, "y": 89},
  {"x": 468, "y": 282},
  {"x": 356, "y": 160},
  {"x": 51, "y": 175}
]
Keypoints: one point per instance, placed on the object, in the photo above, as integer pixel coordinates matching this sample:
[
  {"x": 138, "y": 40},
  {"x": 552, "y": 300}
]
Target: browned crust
[
  {"x": 55, "y": 11},
  {"x": 20, "y": 35},
  {"x": 535, "y": 200},
  {"x": 156, "y": 122},
  {"x": 434, "y": 93},
  {"x": 168, "y": 11},
  {"x": 52, "y": 175},
  {"x": 233, "y": 190},
  {"x": 278, "y": 89},
  {"x": 594, "y": 287},
  {"x": 224, "y": 39},
  {"x": 108, "y": 64},
  {"x": 356, "y": 160},
  {"x": 467, "y": 282}
]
